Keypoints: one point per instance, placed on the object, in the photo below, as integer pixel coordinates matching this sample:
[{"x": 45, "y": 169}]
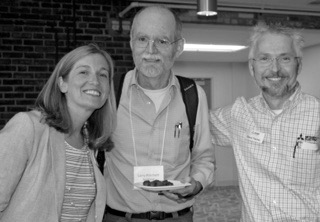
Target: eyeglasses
[
  {"x": 282, "y": 60},
  {"x": 143, "y": 41}
]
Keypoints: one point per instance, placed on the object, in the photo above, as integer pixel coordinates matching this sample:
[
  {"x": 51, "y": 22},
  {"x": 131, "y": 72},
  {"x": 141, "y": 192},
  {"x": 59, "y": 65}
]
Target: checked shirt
[{"x": 279, "y": 179}]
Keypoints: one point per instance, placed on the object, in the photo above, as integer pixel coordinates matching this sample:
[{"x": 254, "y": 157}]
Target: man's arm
[
  {"x": 220, "y": 124},
  {"x": 203, "y": 155}
]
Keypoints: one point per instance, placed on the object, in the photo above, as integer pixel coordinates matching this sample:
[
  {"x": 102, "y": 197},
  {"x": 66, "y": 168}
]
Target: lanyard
[{"x": 132, "y": 131}]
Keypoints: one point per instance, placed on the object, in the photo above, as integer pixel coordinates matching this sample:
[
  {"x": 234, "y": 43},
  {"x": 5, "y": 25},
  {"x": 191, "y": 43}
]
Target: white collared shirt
[{"x": 148, "y": 128}]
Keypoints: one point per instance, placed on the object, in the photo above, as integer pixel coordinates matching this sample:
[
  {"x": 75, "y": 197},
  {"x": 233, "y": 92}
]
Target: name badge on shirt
[
  {"x": 309, "y": 143},
  {"x": 142, "y": 173},
  {"x": 256, "y": 136}
]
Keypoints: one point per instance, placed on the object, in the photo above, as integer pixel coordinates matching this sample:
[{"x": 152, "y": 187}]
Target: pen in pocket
[{"x": 177, "y": 129}]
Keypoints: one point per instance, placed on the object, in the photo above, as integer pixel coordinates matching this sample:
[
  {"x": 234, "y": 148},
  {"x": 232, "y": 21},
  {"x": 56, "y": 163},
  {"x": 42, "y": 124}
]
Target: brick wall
[{"x": 35, "y": 34}]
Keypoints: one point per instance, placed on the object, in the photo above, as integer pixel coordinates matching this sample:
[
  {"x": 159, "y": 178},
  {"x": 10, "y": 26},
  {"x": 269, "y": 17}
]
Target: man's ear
[
  {"x": 250, "y": 66},
  {"x": 131, "y": 44},
  {"x": 179, "y": 48},
  {"x": 63, "y": 85},
  {"x": 299, "y": 67}
]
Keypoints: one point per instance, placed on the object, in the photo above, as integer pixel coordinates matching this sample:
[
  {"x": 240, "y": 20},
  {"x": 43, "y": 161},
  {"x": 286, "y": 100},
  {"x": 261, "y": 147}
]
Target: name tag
[
  {"x": 256, "y": 136},
  {"x": 308, "y": 146},
  {"x": 142, "y": 173}
]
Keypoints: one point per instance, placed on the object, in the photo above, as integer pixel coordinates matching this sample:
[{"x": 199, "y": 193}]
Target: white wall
[{"x": 309, "y": 77}]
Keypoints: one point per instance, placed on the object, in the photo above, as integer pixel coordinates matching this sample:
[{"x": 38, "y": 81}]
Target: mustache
[
  {"x": 275, "y": 75},
  {"x": 151, "y": 57}
]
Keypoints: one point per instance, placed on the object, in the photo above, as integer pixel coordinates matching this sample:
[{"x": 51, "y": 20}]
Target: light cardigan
[{"x": 32, "y": 172}]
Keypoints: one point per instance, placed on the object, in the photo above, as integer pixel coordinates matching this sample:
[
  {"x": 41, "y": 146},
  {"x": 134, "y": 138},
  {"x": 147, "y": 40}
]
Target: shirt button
[
  {"x": 275, "y": 202},
  {"x": 274, "y": 148}
]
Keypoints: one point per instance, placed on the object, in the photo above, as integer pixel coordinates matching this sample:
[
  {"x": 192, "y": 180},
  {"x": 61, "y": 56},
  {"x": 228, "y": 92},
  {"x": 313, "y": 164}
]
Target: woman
[{"x": 48, "y": 170}]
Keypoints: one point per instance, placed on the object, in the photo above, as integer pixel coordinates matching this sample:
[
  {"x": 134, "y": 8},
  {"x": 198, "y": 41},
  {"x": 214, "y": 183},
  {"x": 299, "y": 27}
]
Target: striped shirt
[
  {"x": 80, "y": 189},
  {"x": 279, "y": 178}
]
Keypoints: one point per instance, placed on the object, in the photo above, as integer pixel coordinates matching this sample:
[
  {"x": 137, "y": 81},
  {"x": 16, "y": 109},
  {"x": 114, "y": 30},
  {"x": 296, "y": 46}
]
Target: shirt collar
[{"x": 134, "y": 79}]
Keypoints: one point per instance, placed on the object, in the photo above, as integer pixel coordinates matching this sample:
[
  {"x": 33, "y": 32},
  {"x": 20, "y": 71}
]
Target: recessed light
[{"x": 212, "y": 48}]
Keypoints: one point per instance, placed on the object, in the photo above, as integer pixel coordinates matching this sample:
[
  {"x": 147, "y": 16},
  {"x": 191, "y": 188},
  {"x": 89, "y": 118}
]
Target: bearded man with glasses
[
  {"x": 275, "y": 134},
  {"x": 152, "y": 136}
]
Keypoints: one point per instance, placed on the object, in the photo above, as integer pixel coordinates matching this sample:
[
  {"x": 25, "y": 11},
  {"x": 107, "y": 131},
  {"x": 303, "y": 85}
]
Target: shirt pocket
[
  {"x": 304, "y": 167},
  {"x": 181, "y": 145}
]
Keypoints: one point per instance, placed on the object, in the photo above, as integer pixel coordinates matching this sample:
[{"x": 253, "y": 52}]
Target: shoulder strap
[
  {"x": 190, "y": 98},
  {"x": 101, "y": 159},
  {"x": 118, "y": 87}
]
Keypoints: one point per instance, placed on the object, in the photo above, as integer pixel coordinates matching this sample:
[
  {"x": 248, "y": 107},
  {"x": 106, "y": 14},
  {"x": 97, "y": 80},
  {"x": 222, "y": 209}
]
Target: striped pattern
[
  {"x": 275, "y": 185},
  {"x": 80, "y": 189}
]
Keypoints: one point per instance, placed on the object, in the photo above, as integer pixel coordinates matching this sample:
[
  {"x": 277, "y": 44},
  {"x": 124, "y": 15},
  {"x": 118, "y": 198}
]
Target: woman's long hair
[{"x": 53, "y": 105}]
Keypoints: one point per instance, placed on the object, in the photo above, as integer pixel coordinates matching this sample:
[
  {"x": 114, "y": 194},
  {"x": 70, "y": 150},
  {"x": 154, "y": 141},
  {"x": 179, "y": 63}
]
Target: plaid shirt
[{"x": 279, "y": 178}]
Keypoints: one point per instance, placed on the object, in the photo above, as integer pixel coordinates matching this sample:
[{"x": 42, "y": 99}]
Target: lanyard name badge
[{"x": 142, "y": 173}]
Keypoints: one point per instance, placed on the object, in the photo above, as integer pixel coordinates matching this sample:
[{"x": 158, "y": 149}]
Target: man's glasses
[
  {"x": 266, "y": 60},
  {"x": 142, "y": 42}
]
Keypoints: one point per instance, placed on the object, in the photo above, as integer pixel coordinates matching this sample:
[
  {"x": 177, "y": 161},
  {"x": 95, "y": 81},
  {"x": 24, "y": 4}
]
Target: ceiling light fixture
[
  {"x": 212, "y": 48},
  {"x": 207, "y": 7}
]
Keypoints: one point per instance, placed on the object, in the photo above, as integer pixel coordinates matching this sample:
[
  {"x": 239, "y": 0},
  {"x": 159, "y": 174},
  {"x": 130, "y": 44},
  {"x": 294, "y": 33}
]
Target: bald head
[
  {"x": 153, "y": 15},
  {"x": 155, "y": 44}
]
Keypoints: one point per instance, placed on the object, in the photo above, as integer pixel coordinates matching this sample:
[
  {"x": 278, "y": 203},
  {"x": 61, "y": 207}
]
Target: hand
[{"x": 184, "y": 194}]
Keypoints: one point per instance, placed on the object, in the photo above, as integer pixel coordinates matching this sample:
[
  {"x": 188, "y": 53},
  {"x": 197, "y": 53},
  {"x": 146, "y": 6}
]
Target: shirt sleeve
[
  {"x": 202, "y": 155},
  {"x": 15, "y": 146},
  {"x": 220, "y": 124}
]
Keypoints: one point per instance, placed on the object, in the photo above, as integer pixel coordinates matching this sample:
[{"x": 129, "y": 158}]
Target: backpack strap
[
  {"x": 190, "y": 98},
  {"x": 101, "y": 159},
  {"x": 118, "y": 87}
]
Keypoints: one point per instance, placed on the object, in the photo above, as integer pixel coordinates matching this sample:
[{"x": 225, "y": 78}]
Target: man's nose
[
  {"x": 275, "y": 66},
  {"x": 151, "y": 46}
]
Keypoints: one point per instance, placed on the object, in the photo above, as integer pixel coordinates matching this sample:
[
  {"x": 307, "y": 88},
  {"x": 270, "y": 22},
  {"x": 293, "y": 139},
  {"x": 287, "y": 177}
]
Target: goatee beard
[{"x": 279, "y": 94}]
